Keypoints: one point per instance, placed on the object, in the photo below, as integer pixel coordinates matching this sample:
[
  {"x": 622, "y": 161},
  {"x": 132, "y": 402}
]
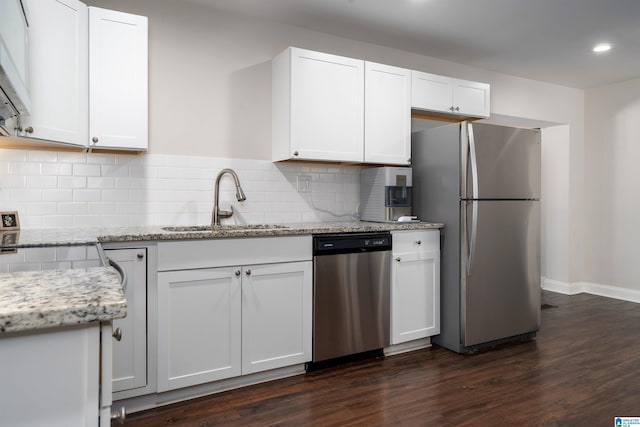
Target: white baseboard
[{"x": 624, "y": 294}]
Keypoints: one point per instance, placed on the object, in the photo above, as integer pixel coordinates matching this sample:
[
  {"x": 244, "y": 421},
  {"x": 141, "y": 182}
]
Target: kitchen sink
[{"x": 231, "y": 227}]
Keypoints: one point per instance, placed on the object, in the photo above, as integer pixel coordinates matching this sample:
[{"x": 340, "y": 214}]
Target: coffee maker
[{"x": 385, "y": 194}]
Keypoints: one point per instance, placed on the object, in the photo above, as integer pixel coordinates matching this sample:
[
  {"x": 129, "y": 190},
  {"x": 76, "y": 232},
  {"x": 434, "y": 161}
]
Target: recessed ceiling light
[{"x": 602, "y": 47}]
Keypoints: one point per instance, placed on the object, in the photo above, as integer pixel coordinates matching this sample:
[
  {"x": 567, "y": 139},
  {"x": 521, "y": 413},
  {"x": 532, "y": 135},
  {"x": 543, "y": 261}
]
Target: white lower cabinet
[
  {"x": 276, "y": 315},
  {"x": 130, "y": 348},
  {"x": 226, "y": 321},
  {"x": 199, "y": 326},
  {"x": 415, "y": 285}
]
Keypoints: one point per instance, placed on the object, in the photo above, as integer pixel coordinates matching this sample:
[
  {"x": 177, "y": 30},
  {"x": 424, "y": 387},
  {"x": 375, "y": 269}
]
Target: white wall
[
  {"x": 555, "y": 204},
  {"x": 612, "y": 205}
]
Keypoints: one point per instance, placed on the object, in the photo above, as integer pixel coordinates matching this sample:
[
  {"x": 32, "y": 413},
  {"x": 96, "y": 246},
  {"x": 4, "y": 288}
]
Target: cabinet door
[
  {"x": 415, "y": 296},
  {"x": 130, "y": 353},
  {"x": 199, "y": 326},
  {"x": 431, "y": 92},
  {"x": 117, "y": 80},
  {"x": 471, "y": 98},
  {"x": 276, "y": 315},
  {"x": 387, "y": 131},
  {"x": 327, "y": 107},
  {"x": 59, "y": 72}
]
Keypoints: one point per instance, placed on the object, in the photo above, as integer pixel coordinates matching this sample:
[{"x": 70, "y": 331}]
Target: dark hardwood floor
[{"x": 582, "y": 370}]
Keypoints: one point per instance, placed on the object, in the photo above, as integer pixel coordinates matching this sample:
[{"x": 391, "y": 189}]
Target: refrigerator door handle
[
  {"x": 474, "y": 196},
  {"x": 473, "y": 235}
]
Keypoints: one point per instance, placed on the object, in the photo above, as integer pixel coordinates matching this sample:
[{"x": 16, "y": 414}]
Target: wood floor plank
[{"x": 582, "y": 369}]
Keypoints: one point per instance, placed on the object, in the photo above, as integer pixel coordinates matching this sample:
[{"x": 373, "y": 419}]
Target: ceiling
[{"x": 546, "y": 40}]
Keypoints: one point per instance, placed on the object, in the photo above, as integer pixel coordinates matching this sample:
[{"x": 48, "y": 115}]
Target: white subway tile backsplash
[
  {"x": 86, "y": 170},
  {"x": 101, "y": 182},
  {"x": 75, "y": 158},
  {"x": 117, "y": 170},
  {"x": 42, "y": 181},
  {"x": 41, "y": 156},
  {"x": 56, "y": 169},
  {"x": 57, "y": 195},
  {"x": 72, "y": 182},
  {"x": 86, "y": 221},
  {"x": 85, "y": 195},
  {"x": 72, "y": 208},
  {"x": 26, "y": 168},
  {"x": 62, "y": 189},
  {"x": 101, "y": 158}
]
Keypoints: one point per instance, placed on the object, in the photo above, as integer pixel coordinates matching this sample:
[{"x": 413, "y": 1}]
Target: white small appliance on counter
[{"x": 386, "y": 194}]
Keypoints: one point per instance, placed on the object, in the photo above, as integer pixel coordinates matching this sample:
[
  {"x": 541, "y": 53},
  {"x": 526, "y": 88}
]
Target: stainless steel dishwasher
[{"x": 351, "y": 281}]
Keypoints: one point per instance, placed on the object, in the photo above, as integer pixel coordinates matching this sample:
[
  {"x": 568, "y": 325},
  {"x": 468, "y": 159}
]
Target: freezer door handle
[{"x": 474, "y": 161}]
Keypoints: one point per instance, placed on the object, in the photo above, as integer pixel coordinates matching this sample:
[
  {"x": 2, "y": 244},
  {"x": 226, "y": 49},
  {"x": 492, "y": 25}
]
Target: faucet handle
[{"x": 225, "y": 214}]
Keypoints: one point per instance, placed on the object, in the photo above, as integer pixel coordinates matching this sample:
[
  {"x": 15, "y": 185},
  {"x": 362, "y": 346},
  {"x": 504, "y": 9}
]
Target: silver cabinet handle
[
  {"x": 237, "y": 272},
  {"x": 295, "y": 153},
  {"x": 457, "y": 108},
  {"x": 451, "y": 108},
  {"x": 120, "y": 416},
  {"x": 418, "y": 242},
  {"x": 95, "y": 140},
  {"x": 29, "y": 129},
  {"x": 140, "y": 255},
  {"x": 248, "y": 272},
  {"x": 398, "y": 259},
  {"x": 117, "y": 334}
]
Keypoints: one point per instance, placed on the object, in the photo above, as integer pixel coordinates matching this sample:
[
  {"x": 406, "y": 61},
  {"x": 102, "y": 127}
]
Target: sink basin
[{"x": 230, "y": 227}]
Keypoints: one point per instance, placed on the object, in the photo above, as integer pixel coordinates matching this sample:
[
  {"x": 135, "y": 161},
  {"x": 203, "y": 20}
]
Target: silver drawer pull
[
  {"x": 237, "y": 272},
  {"x": 398, "y": 259},
  {"x": 248, "y": 272},
  {"x": 117, "y": 334},
  {"x": 419, "y": 242}
]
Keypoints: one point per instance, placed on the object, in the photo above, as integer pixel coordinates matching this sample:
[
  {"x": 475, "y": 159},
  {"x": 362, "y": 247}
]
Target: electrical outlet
[{"x": 304, "y": 183}]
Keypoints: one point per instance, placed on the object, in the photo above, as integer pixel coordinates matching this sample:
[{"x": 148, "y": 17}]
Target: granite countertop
[
  {"x": 85, "y": 236},
  {"x": 45, "y": 299}
]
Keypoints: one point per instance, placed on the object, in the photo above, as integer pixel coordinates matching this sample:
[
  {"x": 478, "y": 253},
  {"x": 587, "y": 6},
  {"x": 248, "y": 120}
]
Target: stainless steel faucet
[{"x": 217, "y": 213}]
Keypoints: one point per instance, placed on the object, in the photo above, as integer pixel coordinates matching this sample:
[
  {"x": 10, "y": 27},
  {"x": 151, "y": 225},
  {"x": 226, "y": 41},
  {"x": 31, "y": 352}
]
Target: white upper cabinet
[
  {"x": 117, "y": 80},
  {"x": 88, "y": 73},
  {"x": 387, "y": 110},
  {"x": 59, "y": 77},
  {"x": 471, "y": 98},
  {"x": 318, "y": 108},
  {"x": 454, "y": 97}
]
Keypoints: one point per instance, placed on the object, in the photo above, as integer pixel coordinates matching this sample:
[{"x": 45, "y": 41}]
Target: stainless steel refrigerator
[{"x": 483, "y": 182}]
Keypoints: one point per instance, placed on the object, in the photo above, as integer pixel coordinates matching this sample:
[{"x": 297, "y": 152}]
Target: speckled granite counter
[
  {"x": 45, "y": 299},
  {"x": 83, "y": 236}
]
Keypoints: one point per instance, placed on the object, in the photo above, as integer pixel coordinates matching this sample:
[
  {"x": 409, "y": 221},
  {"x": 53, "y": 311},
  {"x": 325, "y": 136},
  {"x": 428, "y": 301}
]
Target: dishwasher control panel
[{"x": 327, "y": 244}]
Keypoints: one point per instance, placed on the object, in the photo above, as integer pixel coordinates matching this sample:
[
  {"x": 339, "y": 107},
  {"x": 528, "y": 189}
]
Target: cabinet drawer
[
  {"x": 415, "y": 241},
  {"x": 190, "y": 254}
]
